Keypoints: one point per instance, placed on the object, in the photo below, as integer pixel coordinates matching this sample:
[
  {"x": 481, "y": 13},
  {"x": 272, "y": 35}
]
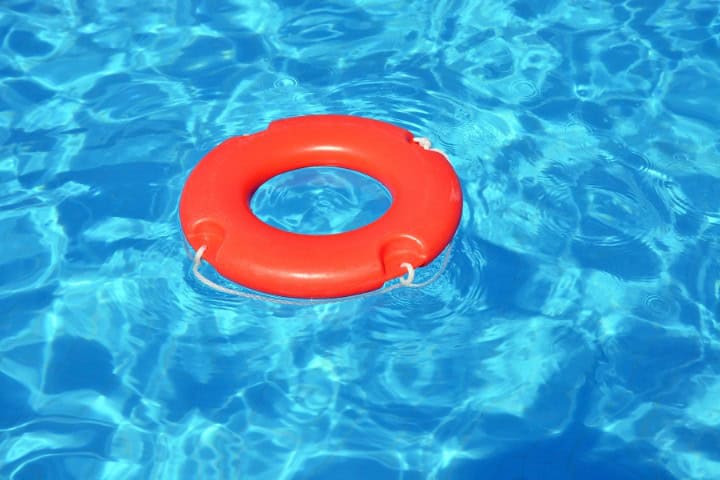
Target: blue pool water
[{"x": 575, "y": 333}]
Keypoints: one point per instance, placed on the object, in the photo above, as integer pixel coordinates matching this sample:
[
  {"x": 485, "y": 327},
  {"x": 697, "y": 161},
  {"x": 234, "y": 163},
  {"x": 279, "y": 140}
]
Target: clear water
[
  {"x": 574, "y": 334},
  {"x": 320, "y": 200}
]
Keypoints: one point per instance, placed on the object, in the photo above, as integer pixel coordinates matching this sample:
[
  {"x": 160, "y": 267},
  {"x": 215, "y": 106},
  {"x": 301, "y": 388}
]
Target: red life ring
[{"x": 422, "y": 219}]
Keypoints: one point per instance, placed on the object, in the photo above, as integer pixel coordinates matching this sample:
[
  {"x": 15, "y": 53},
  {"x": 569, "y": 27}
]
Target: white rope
[
  {"x": 425, "y": 143},
  {"x": 406, "y": 281}
]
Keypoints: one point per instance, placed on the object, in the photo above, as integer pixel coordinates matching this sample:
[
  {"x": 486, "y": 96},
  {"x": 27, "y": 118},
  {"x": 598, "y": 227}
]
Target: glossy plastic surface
[{"x": 215, "y": 207}]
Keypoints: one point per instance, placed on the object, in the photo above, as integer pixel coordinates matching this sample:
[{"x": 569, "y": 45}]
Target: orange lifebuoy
[{"x": 422, "y": 219}]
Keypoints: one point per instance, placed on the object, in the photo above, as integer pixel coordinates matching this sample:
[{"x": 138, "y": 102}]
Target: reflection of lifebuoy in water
[{"x": 425, "y": 212}]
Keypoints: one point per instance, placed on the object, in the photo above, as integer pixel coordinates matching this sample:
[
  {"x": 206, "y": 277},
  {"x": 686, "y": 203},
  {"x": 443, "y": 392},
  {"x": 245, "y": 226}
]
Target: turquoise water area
[{"x": 574, "y": 334}]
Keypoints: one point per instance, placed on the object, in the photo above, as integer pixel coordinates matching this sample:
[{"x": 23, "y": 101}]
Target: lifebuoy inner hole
[{"x": 320, "y": 200}]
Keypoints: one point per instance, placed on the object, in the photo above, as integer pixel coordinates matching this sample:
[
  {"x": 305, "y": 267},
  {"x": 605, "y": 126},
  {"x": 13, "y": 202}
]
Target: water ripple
[{"x": 578, "y": 308}]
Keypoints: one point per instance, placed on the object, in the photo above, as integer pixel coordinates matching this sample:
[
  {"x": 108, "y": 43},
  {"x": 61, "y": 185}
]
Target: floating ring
[{"x": 422, "y": 219}]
